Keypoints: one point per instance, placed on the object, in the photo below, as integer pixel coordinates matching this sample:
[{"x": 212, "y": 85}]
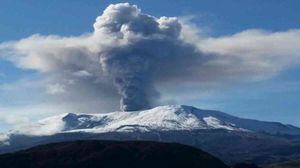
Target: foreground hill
[
  {"x": 230, "y": 138},
  {"x": 111, "y": 154},
  {"x": 291, "y": 164}
]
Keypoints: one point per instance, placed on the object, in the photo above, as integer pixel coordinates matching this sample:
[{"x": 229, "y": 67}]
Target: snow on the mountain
[
  {"x": 4, "y": 139},
  {"x": 215, "y": 123},
  {"x": 162, "y": 118}
]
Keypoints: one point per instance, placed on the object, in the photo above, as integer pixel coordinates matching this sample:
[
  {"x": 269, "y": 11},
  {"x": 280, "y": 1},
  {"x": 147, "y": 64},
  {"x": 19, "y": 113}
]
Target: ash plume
[
  {"x": 147, "y": 48},
  {"x": 143, "y": 59}
]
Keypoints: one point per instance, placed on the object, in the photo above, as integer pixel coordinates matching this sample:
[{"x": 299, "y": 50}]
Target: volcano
[{"x": 230, "y": 138}]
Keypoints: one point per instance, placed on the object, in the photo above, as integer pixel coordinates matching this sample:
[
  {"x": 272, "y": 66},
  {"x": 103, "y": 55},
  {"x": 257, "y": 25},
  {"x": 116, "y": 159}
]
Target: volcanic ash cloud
[
  {"x": 144, "y": 49},
  {"x": 146, "y": 60}
]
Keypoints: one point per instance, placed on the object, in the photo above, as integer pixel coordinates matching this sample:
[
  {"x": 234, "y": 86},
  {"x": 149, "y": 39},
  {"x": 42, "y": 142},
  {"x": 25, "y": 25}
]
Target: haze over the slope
[{"x": 138, "y": 57}]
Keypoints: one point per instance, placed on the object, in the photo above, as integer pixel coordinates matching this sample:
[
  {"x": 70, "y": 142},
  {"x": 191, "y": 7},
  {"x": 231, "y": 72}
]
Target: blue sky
[{"x": 274, "y": 99}]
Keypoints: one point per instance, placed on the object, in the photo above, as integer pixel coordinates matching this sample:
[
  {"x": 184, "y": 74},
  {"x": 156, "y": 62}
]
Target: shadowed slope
[
  {"x": 111, "y": 154},
  {"x": 290, "y": 164}
]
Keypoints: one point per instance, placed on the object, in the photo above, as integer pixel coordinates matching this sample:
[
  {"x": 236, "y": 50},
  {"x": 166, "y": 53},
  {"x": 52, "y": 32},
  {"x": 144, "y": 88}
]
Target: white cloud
[
  {"x": 82, "y": 73},
  {"x": 14, "y": 119},
  {"x": 56, "y": 88},
  {"x": 184, "y": 58},
  {"x": 19, "y": 116},
  {"x": 255, "y": 53}
]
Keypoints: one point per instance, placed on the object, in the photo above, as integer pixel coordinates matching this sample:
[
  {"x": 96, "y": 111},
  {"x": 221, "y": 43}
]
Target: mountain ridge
[
  {"x": 227, "y": 137},
  {"x": 161, "y": 118}
]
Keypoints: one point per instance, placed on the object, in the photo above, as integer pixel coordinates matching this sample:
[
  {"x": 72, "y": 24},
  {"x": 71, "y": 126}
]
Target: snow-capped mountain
[
  {"x": 162, "y": 118},
  {"x": 230, "y": 138}
]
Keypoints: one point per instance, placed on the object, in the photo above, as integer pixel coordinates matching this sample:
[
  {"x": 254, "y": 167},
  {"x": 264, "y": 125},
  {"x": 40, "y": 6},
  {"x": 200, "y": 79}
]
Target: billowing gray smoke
[
  {"x": 144, "y": 49},
  {"x": 129, "y": 52},
  {"x": 146, "y": 60}
]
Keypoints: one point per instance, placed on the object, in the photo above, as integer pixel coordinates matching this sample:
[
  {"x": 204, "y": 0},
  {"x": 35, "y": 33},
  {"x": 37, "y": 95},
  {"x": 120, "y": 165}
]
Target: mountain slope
[
  {"x": 163, "y": 118},
  {"x": 111, "y": 154},
  {"x": 230, "y": 138},
  {"x": 291, "y": 164}
]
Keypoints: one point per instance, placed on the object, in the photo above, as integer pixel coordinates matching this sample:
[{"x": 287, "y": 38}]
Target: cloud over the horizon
[{"x": 141, "y": 54}]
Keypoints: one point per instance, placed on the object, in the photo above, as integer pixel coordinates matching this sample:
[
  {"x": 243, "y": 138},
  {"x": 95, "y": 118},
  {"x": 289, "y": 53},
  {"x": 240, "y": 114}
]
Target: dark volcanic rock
[{"x": 102, "y": 154}]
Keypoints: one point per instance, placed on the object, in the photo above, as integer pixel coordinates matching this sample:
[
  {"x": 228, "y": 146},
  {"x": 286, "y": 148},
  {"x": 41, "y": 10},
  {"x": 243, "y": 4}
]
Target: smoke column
[
  {"x": 128, "y": 52},
  {"x": 135, "y": 56},
  {"x": 142, "y": 49}
]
